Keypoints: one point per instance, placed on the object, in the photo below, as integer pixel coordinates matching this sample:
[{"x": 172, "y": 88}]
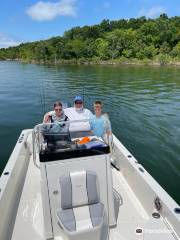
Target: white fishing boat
[{"x": 60, "y": 186}]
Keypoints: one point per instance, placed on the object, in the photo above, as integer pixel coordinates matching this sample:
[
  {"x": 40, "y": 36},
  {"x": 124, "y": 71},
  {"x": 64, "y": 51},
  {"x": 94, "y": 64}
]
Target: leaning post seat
[{"x": 82, "y": 214}]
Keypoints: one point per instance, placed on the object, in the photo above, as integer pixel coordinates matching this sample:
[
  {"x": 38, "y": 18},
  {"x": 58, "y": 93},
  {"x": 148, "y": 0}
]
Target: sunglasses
[
  {"x": 58, "y": 109},
  {"x": 78, "y": 102}
]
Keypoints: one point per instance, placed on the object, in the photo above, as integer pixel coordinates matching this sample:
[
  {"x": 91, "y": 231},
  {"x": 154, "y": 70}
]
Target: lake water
[{"x": 143, "y": 104}]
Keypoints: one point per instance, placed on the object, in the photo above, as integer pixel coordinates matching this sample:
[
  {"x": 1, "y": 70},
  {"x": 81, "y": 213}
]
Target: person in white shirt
[{"x": 78, "y": 113}]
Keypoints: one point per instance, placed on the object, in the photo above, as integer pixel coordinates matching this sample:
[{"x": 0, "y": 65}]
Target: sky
[{"x": 31, "y": 20}]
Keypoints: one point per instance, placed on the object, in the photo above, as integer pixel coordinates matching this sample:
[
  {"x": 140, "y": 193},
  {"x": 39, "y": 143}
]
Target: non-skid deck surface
[
  {"x": 132, "y": 215},
  {"x": 129, "y": 211},
  {"x": 29, "y": 220}
]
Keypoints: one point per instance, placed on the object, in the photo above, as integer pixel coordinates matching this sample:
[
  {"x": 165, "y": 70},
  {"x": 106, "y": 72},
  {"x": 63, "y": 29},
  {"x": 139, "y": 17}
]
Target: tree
[
  {"x": 176, "y": 51},
  {"x": 102, "y": 48},
  {"x": 165, "y": 48},
  {"x": 121, "y": 42},
  {"x": 163, "y": 16},
  {"x": 147, "y": 52},
  {"x": 89, "y": 48},
  {"x": 105, "y": 25},
  {"x": 132, "y": 38},
  {"x": 41, "y": 52}
]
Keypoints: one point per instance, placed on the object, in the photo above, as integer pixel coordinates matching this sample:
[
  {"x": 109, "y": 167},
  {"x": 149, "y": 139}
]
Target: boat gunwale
[{"x": 12, "y": 184}]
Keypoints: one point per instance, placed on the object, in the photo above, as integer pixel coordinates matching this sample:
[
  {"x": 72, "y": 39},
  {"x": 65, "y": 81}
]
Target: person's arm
[
  {"x": 108, "y": 129},
  {"x": 47, "y": 117},
  {"x": 91, "y": 125},
  {"x": 107, "y": 125}
]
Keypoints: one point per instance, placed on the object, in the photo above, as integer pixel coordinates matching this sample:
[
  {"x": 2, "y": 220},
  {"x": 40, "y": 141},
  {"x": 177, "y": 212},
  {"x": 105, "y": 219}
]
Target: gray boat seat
[{"x": 81, "y": 214}]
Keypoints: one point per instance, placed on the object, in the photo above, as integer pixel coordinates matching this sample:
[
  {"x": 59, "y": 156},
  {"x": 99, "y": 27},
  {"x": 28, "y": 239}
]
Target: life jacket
[{"x": 51, "y": 119}]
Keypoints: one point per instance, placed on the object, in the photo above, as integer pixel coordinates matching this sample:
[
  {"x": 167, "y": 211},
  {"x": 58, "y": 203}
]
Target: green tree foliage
[
  {"x": 176, "y": 51},
  {"x": 102, "y": 46},
  {"x": 139, "y": 38}
]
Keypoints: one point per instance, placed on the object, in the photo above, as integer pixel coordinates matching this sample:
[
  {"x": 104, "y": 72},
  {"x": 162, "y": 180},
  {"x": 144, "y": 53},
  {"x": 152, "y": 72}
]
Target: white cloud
[
  {"x": 46, "y": 11},
  {"x": 8, "y": 41},
  {"x": 152, "y": 12}
]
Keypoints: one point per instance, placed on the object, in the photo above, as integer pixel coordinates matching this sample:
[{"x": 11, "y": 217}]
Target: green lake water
[{"x": 143, "y": 104}]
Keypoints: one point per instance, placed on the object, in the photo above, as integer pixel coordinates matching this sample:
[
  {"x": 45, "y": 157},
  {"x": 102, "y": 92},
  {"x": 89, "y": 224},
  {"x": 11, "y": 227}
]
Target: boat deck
[
  {"x": 132, "y": 215},
  {"x": 29, "y": 219},
  {"x": 129, "y": 212}
]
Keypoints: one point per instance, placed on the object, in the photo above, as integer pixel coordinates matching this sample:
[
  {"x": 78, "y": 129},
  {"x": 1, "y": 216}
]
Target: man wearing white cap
[{"x": 78, "y": 113}]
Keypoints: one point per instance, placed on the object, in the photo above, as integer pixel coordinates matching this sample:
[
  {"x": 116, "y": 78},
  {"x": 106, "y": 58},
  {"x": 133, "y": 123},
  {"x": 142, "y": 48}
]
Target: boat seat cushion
[
  {"x": 67, "y": 219},
  {"x": 81, "y": 218},
  {"x": 79, "y": 189},
  {"x": 80, "y": 206}
]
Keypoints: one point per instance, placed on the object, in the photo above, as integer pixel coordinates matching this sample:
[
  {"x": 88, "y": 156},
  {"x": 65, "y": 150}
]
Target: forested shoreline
[{"x": 132, "y": 41}]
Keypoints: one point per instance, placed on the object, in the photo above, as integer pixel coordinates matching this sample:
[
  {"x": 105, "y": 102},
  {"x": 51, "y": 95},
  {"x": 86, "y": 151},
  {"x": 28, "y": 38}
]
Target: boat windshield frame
[{"x": 64, "y": 133}]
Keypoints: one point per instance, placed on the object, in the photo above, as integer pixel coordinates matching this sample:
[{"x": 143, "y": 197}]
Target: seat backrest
[{"x": 78, "y": 189}]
